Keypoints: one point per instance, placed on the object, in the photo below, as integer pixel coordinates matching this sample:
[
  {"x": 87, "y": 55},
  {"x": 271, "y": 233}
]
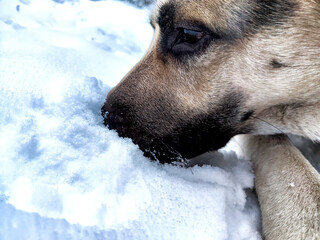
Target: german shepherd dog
[{"x": 220, "y": 68}]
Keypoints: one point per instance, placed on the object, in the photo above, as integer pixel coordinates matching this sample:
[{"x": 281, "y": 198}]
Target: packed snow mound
[{"x": 63, "y": 174}]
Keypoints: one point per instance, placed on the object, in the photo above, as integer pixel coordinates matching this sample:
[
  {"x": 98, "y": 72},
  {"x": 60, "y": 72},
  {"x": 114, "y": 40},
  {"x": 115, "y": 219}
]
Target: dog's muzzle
[{"x": 187, "y": 140}]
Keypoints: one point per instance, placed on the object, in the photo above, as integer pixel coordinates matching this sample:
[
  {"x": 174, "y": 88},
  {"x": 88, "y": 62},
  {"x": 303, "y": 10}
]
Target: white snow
[{"x": 63, "y": 174}]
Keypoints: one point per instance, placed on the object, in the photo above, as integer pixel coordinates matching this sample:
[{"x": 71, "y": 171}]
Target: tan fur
[{"x": 276, "y": 72}]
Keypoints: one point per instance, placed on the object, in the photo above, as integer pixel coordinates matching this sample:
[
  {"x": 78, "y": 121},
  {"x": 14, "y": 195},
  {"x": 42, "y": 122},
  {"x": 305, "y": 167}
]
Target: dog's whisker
[
  {"x": 270, "y": 124},
  {"x": 282, "y": 132}
]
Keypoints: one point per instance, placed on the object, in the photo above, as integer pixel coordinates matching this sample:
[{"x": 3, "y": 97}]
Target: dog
[{"x": 223, "y": 68}]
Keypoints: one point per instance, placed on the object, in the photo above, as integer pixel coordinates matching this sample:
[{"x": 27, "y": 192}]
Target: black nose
[
  {"x": 120, "y": 118},
  {"x": 116, "y": 118}
]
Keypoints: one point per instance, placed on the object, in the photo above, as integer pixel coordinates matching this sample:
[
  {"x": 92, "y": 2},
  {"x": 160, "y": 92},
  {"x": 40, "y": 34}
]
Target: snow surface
[{"x": 63, "y": 174}]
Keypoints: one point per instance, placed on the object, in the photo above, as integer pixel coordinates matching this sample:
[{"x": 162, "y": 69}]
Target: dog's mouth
[{"x": 186, "y": 141}]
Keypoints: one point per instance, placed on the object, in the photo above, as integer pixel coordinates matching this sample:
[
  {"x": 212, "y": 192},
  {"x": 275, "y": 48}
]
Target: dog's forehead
[
  {"x": 235, "y": 16},
  {"x": 212, "y": 13}
]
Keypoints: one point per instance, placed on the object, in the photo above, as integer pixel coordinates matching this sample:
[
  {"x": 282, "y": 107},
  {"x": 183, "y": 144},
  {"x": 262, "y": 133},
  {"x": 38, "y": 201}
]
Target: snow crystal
[{"x": 63, "y": 174}]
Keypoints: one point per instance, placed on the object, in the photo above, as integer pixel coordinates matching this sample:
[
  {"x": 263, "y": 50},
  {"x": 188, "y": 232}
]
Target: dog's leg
[{"x": 288, "y": 189}]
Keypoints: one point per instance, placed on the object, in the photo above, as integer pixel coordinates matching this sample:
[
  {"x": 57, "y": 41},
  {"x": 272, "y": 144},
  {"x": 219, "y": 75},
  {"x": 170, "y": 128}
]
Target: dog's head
[{"x": 217, "y": 68}]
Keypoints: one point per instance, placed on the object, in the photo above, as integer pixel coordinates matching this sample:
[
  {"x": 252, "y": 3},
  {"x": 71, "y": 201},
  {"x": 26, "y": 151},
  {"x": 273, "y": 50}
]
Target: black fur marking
[
  {"x": 166, "y": 22},
  {"x": 166, "y": 15},
  {"x": 247, "y": 115},
  {"x": 271, "y": 13},
  {"x": 203, "y": 133},
  {"x": 260, "y": 14},
  {"x": 276, "y": 64}
]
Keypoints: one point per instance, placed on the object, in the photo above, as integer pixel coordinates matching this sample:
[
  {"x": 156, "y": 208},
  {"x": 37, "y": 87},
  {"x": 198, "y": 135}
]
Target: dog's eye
[
  {"x": 187, "y": 42},
  {"x": 190, "y": 36},
  {"x": 183, "y": 41}
]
